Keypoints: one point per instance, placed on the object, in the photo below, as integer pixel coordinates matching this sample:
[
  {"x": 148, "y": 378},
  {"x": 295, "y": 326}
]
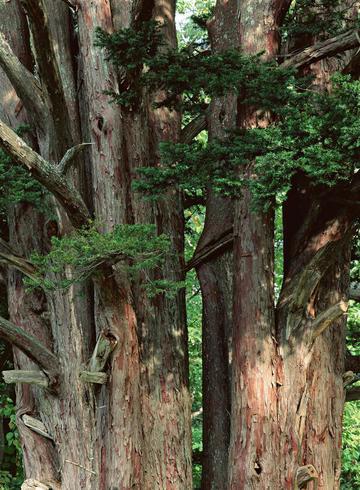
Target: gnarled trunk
[{"x": 133, "y": 431}]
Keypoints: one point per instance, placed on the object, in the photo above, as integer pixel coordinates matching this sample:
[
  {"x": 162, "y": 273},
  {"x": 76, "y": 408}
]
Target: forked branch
[
  {"x": 45, "y": 173},
  {"x": 48, "y": 66}
]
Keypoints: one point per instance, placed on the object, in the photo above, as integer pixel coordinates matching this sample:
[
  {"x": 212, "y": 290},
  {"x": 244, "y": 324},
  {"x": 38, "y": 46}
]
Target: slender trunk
[{"x": 215, "y": 275}]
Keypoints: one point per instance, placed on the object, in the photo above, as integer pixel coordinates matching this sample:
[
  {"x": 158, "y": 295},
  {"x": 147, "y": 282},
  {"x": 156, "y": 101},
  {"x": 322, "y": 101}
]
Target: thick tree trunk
[
  {"x": 254, "y": 441},
  {"x": 134, "y": 431},
  {"x": 287, "y": 383},
  {"x": 311, "y": 393}
]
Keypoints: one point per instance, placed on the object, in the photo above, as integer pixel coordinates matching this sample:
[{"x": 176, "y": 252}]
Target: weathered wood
[
  {"x": 325, "y": 49},
  {"x": 45, "y": 173},
  {"x": 105, "y": 344},
  {"x": 28, "y": 377},
  {"x": 70, "y": 156},
  {"x": 23, "y": 81},
  {"x": 93, "y": 377},
  {"x": 32, "y": 484},
  {"x": 9, "y": 257},
  {"x": 36, "y": 425},
  {"x": 31, "y": 346},
  {"x": 304, "y": 475},
  {"x": 327, "y": 317},
  {"x": 349, "y": 378}
]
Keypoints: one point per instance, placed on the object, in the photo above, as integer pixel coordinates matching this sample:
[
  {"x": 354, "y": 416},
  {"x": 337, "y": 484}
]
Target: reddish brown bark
[
  {"x": 283, "y": 416},
  {"x": 135, "y": 430}
]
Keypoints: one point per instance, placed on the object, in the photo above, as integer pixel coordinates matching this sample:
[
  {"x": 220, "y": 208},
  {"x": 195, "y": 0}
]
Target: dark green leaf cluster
[
  {"x": 79, "y": 255},
  {"x": 315, "y": 133},
  {"x": 16, "y": 184},
  {"x": 190, "y": 73},
  {"x": 130, "y": 49},
  {"x": 307, "y": 19}
]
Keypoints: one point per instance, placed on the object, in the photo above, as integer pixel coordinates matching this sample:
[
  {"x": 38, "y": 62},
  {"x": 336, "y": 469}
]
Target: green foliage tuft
[
  {"x": 16, "y": 185},
  {"x": 307, "y": 19},
  {"x": 314, "y": 133},
  {"x": 130, "y": 49},
  {"x": 12, "y": 448},
  {"x": 81, "y": 254},
  {"x": 192, "y": 73}
]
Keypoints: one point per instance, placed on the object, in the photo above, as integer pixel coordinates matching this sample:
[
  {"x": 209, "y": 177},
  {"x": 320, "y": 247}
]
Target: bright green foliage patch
[
  {"x": 350, "y": 476},
  {"x": 81, "y": 254},
  {"x": 12, "y": 447}
]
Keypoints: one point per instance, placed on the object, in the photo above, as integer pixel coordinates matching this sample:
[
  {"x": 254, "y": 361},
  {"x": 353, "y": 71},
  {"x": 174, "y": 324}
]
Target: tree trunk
[
  {"x": 287, "y": 388},
  {"x": 215, "y": 274},
  {"x": 134, "y": 431}
]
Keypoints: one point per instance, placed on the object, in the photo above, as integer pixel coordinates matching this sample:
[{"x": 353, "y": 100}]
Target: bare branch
[
  {"x": 105, "y": 344},
  {"x": 196, "y": 414},
  {"x": 191, "y": 130},
  {"x": 327, "y": 317},
  {"x": 24, "y": 82},
  {"x": 32, "y": 347},
  {"x": 45, "y": 173},
  {"x": 354, "y": 294},
  {"x": 319, "y": 51},
  {"x": 48, "y": 67},
  {"x": 214, "y": 248},
  {"x": 8, "y": 256},
  {"x": 69, "y": 157}
]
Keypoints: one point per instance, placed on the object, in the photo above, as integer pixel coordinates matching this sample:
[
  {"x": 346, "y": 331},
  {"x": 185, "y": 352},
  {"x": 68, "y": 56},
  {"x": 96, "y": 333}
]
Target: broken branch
[
  {"x": 28, "y": 377},
  {"x": 352, "y": 395},
  {"x": 69, "y": 157},
  {"x": 327, "y": 317},
  {"x": 32, "y": 347},
  {"x": 36, "y": 425},
  {"x": 8, "y": 257}
]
